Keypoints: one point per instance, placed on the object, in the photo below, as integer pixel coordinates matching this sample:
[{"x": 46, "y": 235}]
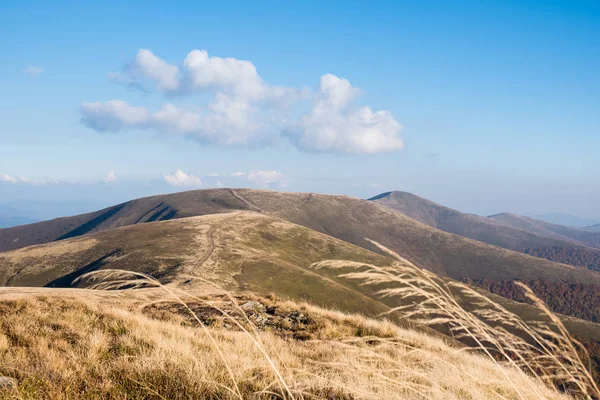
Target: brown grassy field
[
  {"x": 69, "y": 345},
  {"x": 246, "y": 304}
]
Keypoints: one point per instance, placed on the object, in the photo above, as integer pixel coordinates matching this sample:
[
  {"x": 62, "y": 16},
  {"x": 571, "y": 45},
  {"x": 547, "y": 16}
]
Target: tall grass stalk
[{"x": 544, "y": 350}]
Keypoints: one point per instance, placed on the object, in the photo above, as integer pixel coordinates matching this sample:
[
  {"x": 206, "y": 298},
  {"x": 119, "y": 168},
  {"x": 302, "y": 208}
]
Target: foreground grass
[{"x": 69, "y": 348}]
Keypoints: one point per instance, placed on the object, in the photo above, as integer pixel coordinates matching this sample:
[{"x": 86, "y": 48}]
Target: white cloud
[
  {"x": 201, "y": 72},
  {"x": 334, "y": 126},
  {"x": 238, "y": 173},
  {"x": 113, "y": 116},
  {"x": 32, "y": 70},
  {"x": 110, "y": 177},
  {"x": 24, "y": 180},
  {"x": 238, "y": 76},
  {"x": 180, "y": 178},
  {"x": 244, "y": 110},
  {"x": 158, "y": 71},
  {"x": 224, "y": 124}
]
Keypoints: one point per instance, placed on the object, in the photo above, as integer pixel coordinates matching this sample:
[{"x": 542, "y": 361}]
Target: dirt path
[
  {"x": 246, "y": 202},
  {"x": 193, "y": 266},
  {"x": 211, "y": 245}
]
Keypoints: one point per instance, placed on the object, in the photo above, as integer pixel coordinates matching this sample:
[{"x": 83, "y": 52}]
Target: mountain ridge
[{"x": 495, "y": 231}]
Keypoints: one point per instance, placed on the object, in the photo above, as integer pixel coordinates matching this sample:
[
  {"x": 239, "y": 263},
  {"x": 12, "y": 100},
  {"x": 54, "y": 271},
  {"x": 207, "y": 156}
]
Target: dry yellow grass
[
  {"x": 73, "y": 348},
  {"x": 544, "y": 350},
  {"x": 96, "y": 345}
]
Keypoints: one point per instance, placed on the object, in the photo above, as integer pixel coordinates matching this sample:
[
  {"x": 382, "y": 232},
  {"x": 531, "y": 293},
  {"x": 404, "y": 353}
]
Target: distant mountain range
[
  {"x": 513, "y": 232},
  {"x": 565, "y": 219}
]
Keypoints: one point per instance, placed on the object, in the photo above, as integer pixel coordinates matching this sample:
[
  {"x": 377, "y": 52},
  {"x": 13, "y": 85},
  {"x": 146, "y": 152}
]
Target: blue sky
[{"x": 499, "y": 101}]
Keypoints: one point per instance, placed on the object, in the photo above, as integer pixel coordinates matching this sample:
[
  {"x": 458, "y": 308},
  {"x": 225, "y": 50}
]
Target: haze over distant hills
[
  {"x": 593, "y": 228},
  {"x": 565, "y": 219},
  {"x": 548, "y": 230}
]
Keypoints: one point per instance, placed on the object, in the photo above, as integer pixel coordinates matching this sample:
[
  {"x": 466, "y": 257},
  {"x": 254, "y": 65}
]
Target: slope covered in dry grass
[
  {"x": 73, "y": 347},
  {"x": 81, "y": 343}
]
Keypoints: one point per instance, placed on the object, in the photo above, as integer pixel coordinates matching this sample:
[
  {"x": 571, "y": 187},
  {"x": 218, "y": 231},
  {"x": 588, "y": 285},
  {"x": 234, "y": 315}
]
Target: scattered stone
[
  {"x": 252, "y": 305},
  {"x": 7, "y": 382}
]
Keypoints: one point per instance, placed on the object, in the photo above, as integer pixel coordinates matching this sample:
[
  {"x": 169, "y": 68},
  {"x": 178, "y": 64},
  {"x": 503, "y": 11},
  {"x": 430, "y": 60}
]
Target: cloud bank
[
  {"x": 243, "y": 109},
  {"x": 5, "y": 178}
]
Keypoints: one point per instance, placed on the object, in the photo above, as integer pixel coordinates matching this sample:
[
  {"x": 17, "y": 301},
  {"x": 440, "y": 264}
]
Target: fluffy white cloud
[
  {"x": 334, "y": 126},
  {"x": 113, "y": 116},
  {"x": 147, "y": 65},
  {"x": 244, "y": 110},
  {"x": 201, "y": 72},
  {"x": 33, "y": 70},
  {"x": 229, "y": 74},
  {"x": 110, "y": 177},
  {"x": 180, "y": 178},
  {"x": 225, "y": 123}
]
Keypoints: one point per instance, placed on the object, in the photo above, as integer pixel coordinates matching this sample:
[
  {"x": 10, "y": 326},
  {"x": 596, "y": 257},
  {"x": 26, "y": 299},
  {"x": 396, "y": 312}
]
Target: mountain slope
[
  {"x": 547, "y": 229},
  {"x": 349, "y": 219},
  {"x": 343, "y": 217},
  {"x": 238, "y": 251},
  {"x": 539, "y": 242}
]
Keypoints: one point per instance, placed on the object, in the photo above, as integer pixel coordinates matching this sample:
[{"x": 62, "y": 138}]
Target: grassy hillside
[
  {"x": 239, "y": 251},
  {"x": 536, "y": 238},
  {"x": 547, "y": 229},
  {"x": 76, "y": 346},
  {"x": 242, "y": 252},
  {"x": 349, "y": 219}
]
